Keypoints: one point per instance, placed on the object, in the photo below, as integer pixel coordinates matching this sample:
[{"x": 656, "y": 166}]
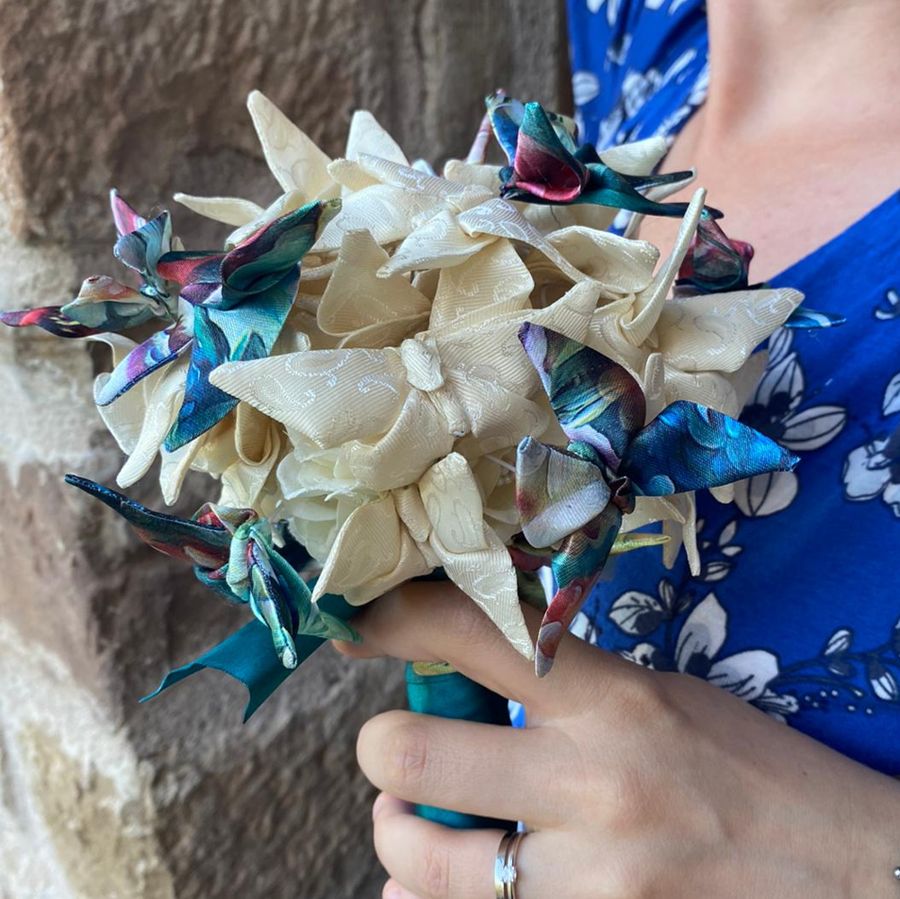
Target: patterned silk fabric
[{"x": 796, "y": 607}]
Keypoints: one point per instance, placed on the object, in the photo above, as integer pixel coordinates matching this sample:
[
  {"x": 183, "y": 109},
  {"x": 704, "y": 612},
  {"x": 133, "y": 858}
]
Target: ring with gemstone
[{"x": 505, "y": 873}]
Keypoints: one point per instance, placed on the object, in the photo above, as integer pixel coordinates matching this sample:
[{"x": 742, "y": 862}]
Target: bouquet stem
[{"x": 436, "y": 688}]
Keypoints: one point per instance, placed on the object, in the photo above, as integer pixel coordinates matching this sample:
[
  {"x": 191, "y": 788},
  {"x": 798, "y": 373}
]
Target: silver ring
[{"x": 505, "y": 873}]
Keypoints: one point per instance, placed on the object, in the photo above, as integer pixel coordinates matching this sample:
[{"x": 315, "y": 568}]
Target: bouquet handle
[{"x": 438, "y": 689}]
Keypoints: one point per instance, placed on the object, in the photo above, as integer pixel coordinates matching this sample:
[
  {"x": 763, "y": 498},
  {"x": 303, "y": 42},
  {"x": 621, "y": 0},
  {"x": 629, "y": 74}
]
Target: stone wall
[{"x": 101, "y": 798}]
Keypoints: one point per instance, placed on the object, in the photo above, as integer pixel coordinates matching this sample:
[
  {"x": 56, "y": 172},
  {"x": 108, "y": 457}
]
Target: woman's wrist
[{"x": 875, "y": 849}]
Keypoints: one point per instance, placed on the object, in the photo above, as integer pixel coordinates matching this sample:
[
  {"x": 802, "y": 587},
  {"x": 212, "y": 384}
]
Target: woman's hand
[{"x": 632, "y": 783}]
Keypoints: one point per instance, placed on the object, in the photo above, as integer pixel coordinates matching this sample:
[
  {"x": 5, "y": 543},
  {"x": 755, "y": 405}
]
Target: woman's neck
[{"x": 795, "y": 64}]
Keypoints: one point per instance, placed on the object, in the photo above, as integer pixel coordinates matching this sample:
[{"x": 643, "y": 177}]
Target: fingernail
[
  {"x": 391, "y": 891},
  {"x": 378, "y": 805}
]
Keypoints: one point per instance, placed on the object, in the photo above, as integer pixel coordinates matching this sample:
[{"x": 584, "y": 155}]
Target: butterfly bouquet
[{"x": 392, "y": 372}]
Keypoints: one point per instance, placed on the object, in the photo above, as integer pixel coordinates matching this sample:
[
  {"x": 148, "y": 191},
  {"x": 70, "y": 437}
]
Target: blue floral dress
[{"x": 797, "y": 606}]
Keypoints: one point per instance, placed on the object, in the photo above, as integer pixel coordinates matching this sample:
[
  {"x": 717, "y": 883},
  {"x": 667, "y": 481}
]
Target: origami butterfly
[
  {"x": 233, "y": 553},
  {"x": 224, "y": 307},
  {"x": 576, "y": 497},
  {"x": 103, "y": 303},
  {"x": 715, "y": 263},
  {"x": 232, "y": 308},
  {"x": 547, "y": 166}
]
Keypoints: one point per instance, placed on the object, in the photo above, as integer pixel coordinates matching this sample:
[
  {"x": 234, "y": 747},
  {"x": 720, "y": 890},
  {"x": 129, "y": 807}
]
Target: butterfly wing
[
  {"x": 576, "y": 567},
  {"x": 691, "y": 447},
  {"x": 556, "y": 492},
  {"x": 543, "y": 168},
  {"x": 192, "y": 541},
  {"x": 597, "y": 402}
]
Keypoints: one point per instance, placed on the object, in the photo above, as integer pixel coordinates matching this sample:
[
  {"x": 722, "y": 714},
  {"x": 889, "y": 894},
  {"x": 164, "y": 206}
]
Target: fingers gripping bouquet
[{"x": 392, "y": 373}]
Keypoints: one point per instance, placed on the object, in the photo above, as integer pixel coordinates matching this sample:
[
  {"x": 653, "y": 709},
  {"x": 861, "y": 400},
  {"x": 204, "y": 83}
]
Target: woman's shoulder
[{"x": 639, "y": 66}]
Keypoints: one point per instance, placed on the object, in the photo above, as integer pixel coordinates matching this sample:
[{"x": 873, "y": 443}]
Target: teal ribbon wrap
[
  {"x": 452, "y": 695},
  {"x": 247, "y": 656}
]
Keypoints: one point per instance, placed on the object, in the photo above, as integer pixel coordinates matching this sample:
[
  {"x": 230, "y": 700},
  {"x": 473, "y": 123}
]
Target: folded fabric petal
[
  {"x": 715, "y": 263},
  {"x": 295, "y": 161},
  {"x": 233, "y": 554},
  {"x": 373, "y": 552},
  {"x": 603, "y": 411},
  {"x": 108, "y": 305},
  {"x": 221, "y": 336},
  {"x": 367, "y": 137},
  {"x": 50, "y": 319},
  {"x": 365, "y": 388},
  {"x": 199, "y": 542},
  {"x": 718, "y": 332},
  {"x": 542, "y": 166},
  {"x": 494, "y": 281},
  {"x": 811, "y": 318},
  {"x": 228, "y": 210},
  {"x": 576, "y": 567},
  {"x": 364, "y": 310},
  {"x": 386, "y": 211},
  {"x": 411, "y": 531},
  {"x": 557, "y": 492},
  {"x": 242, "y": 451},
  {"x": 104, "y": 304},
  {"x": 142, "y": 249},
  {"x": 140, "y": 420},
  {"x": 125, "y": 217},
  {"x": 547, "y": 167}
]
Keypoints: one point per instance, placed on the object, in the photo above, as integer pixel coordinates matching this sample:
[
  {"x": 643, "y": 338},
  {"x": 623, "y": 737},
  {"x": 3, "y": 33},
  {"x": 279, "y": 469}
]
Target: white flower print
[
  {"x": 746, "y": 674},
  {"x": 585, "y": 86},
  {"x": 778, "y": 705},
  {"x": 637, "y": 88},
  {"x": 644, "y": 654},
  {"x": 891, "y": 402},
  {"x": 884, "y": 682},
  {"x": 873, "y": 469},
  {"x": 891, "y": 308},
  {"x": 612, "y": 9},
  {"x": 776, "y": 410}
]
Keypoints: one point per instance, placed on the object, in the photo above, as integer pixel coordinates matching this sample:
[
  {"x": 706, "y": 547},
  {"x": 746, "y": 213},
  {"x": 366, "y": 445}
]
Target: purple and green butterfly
[
  {"x": 234, "y": 307},
  {"x": 571, "y": 500},
  {"x": 222, "y": 307},
  {"x": 103, "y": 303},
  {"x": 716, "y": 263},
  {"x": 547, "y": 165},
  {"x": 233, "y": 553}
]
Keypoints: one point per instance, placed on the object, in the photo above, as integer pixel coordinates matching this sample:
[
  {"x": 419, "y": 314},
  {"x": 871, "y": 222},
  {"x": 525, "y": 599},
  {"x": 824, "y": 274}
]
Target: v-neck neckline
[{"x": 856, "y": 229}]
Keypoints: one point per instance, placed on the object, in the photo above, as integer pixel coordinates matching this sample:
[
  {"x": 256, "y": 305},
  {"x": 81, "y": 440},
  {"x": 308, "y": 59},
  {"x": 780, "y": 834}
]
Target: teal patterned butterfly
[
  {"x": 573, "y": 498},
  {"x": 234, "y": 554}
]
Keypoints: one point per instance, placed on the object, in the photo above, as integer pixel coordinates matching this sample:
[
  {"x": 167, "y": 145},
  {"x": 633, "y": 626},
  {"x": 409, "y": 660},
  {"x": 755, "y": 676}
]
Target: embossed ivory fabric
[
  {"x": 374, "y": 398},
  {"x": 403, "y": 422}
]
